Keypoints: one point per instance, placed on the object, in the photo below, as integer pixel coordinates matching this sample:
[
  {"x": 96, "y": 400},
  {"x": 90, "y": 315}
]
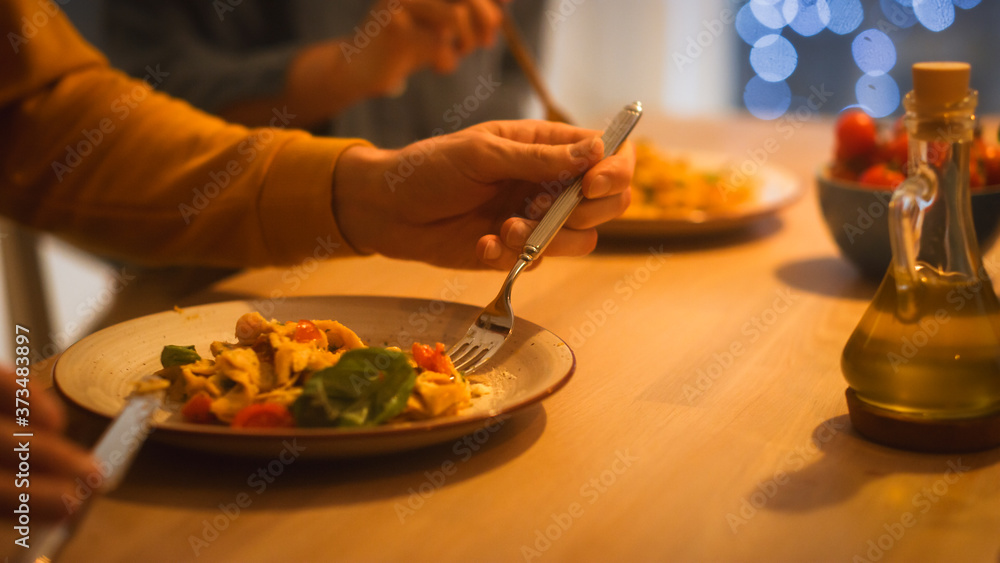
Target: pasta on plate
[
  {"x": 310, "y": 373},
  {"x": 673, "y": 186}
]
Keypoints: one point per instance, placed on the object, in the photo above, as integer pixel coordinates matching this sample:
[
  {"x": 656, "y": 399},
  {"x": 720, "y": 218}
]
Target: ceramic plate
[
  {"x": 776, "y": 188},
  {"x": 97, "y": 372}
]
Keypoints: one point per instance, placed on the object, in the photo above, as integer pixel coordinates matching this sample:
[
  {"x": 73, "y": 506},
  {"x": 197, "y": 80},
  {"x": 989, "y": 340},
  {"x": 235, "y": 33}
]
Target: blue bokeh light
[
  {"x": 811, "y": 17},
  {"x": 774, "y": 58},
  {"x": 845, "y": 16},
  {"x": 966, "y": 4},
  {"x": 899, "y": 15},
  {"x": 767, "y": 100},
  {"x": 935, "y": 15},
  {"x": 749, "y": 27},
  {"x": 874, "y": 52},
  {"x": 877, "y": 95},
  {"x": 769, "y": 13}
]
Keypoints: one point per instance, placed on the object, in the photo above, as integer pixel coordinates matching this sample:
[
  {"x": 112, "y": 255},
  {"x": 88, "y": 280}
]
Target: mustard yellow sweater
[{"x": 111, "y": 165}]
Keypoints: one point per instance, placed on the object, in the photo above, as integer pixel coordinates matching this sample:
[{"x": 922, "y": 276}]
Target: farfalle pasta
[{"x": 311, "y": 373}]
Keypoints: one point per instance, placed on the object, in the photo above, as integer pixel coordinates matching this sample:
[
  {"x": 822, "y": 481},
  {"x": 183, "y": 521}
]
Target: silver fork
[{"x": 493, "y": 325}]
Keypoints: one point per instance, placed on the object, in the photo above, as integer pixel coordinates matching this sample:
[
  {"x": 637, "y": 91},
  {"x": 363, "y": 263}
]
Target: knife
[{"x": 113, "y": 455}]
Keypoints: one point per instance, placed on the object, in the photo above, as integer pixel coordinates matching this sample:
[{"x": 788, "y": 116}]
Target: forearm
[
  {"x": 103, "y": 161},
  {"x": 319, "y": 84},
  {"x": 161, "y": 183}
]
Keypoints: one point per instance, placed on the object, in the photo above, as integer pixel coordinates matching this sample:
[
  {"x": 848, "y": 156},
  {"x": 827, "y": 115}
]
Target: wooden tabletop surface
[{"x": 706, "y": 420}]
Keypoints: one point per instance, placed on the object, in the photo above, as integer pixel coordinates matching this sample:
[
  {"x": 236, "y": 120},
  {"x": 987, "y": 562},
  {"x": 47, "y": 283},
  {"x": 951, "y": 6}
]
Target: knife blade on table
[{"x": 113, "y": 455}]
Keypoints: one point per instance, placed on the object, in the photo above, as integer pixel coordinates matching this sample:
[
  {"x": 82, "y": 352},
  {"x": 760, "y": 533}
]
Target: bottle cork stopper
[{"x": 940, "y": 83}]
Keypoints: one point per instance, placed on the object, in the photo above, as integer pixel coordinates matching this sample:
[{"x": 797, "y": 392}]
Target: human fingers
[
  {"x": 46, "y": 497},
  {"x": 612, "y": 175},
  {"x": 492, "y": 252},
  {"x": 538, "y": 131},
  {"x": 496, "y": 158},
  {"x": 50, "y": 452},
  {"x": 442, "y": 21},
  {"x": 589, "y": 213},
  {"x": 46, "y": 412},
  {"x": 608, "y": 176},
  {"x": 568, "y": 242},
  {"x": 486, "y": 16},
  {"x": 55, "y": 465}
]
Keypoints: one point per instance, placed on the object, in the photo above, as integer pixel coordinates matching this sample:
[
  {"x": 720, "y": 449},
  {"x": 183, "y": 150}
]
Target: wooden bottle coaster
[{"x": 923, "y": 434}]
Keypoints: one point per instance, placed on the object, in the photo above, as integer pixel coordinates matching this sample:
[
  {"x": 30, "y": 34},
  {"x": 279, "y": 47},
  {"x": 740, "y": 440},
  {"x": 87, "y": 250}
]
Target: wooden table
[{"x": 706, "y": 422}]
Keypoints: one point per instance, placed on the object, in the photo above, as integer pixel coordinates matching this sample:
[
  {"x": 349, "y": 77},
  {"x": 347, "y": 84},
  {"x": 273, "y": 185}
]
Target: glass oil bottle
[{"x": 923, "y": 364}]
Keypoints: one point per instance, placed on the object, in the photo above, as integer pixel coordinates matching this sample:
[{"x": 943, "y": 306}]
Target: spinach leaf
[
  {"x": 368, "y": 386},
  {"x": 178, "y": 355}
]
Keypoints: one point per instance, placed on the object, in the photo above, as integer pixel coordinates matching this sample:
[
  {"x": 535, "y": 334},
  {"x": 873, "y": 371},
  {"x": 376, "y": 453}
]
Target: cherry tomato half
[
  {"x": 198, "y": 409},
  {"x": 306, "y": 331},
  {"x": 432, "y": 359},
  {"x": 263, "y": 415}
]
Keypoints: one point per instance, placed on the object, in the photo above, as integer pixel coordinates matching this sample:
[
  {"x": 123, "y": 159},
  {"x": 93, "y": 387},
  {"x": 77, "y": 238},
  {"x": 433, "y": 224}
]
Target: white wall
[{"x": 676, "y": 56}]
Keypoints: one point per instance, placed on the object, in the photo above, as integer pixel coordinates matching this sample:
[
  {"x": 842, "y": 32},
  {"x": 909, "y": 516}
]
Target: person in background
[
  {"x": 107, "y": 163},
  {"x": 390, "y": 71}
]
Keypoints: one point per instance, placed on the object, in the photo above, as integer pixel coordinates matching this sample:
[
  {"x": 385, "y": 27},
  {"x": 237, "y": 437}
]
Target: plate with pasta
[
  {"x": 341, "y": 376},
  {"x": 683, "y": 193}
]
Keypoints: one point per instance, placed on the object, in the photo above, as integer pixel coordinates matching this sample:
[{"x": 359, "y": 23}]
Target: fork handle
[{"x": 556, "y": 216}]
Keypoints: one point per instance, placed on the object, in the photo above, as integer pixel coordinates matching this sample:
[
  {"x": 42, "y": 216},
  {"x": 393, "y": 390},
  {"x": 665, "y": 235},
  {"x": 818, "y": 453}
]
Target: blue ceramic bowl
[{"x": 856, "y": 217}]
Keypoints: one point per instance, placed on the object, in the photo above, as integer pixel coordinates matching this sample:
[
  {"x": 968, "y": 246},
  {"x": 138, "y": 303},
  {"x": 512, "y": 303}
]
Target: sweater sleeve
[{"x": 115, "y": 167}]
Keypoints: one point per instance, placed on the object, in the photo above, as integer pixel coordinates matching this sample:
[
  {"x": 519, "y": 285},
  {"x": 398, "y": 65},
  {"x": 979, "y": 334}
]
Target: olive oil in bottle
[
  {"x": 943, "y": 361},
  {"x": 923, "y": 364}
]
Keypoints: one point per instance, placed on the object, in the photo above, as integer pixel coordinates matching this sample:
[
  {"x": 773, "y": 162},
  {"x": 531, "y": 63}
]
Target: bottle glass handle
[{"x": 906, "y": 217}]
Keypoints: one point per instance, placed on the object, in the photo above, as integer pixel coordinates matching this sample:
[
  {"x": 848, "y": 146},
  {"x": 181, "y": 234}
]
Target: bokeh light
[
  {"x": 749, "y": 27},
  {"x": 966, "y": 4},
  {"x": 877, "y": 95},
  {"x": 898, "y": 14},
  {"x": 935, "y": 15},
  {"x": 768, "y": 12},
  {"x": 845, "y": 16},
  {"x": 810, "y": 17},
  {"x": 874, "y": 52},
  {"x": 774, "y": 58},
  {"x": 767, "y": 100}
]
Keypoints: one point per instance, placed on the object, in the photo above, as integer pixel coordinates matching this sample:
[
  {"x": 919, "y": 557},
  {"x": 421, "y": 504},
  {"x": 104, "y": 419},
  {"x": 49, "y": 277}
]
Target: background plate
[
  {"x": 98, "y": 372},
  {"x": 776, "y": 189}
]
